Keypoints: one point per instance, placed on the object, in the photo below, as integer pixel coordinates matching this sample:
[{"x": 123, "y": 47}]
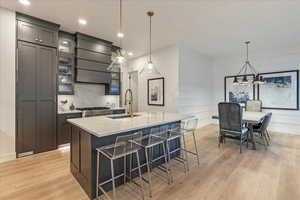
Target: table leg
[{"x": 252, "y": 136}]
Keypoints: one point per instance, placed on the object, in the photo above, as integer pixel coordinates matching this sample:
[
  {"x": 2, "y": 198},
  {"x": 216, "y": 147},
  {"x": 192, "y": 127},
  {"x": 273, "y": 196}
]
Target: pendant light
[
  {"x": 118, "y": 58},
  {"x": 150, "y": 68},
  {"x": 247, "y": 68}
]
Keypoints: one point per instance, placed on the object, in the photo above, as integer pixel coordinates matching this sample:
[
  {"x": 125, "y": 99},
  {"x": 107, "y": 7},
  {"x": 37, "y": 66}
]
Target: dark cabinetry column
[{"x": 36, "y": 105}]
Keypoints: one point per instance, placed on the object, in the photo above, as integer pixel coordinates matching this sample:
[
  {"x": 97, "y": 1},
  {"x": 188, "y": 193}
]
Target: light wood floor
[{"x": 224, "y": 174}]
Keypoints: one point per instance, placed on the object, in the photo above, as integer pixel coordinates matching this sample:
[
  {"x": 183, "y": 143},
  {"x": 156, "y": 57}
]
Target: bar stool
[
  {"x": 122, "y": 148},
  {"x": 187, "y": 127},
  {"x": 170, "y": 134},
  {"x": 148, "y": 143}
]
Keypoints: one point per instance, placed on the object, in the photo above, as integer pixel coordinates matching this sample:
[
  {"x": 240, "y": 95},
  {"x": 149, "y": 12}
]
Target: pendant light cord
[
  {"x": 121, "y": 31},
  {"x": 150, "y": 39}
]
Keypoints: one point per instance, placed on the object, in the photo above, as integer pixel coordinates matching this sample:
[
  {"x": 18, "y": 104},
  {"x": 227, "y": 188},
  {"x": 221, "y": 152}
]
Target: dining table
[{"x": 250, "y": 119}]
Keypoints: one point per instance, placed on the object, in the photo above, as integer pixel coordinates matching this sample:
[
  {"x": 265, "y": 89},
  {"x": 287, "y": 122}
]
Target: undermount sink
[{"x": 122, "y": 116}]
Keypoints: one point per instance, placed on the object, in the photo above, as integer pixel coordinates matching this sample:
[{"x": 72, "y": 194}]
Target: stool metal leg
[
  {"x": 196, "y": 148},
  {"x": 149, "y": 172},
  {"x": 113, "y": 178},
  {"x": 185, "y": 153},
  {"x": 125, "y": 168},
  {"x": 167, "y": 163},
  {"x": 169, "y": 157},
  {"x": 140, "y": 173},
  {"x": 97, "y": 177},
  {"x": 130, "y": 167}
]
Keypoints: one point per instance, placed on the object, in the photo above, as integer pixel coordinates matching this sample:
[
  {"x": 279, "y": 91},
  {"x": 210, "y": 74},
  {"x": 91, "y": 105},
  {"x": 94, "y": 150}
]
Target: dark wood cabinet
[
  {"x": 93, "y": 56},
  {"x": 66, "y": 63},
  {"x": 37, "y": 31},
  {"x": 75, "y": 149},
  {"x": 91, "y": 43},
  {"x": 85, "y": 76},
  {"x": 36, "y": 98},
  {"x": 64, "y": 128},
  {"x": 91, "y": 65}
]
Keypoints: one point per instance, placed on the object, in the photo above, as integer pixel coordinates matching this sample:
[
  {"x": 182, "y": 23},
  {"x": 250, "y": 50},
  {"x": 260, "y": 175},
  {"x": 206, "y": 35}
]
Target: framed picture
[
  {"x": 280, "y": 91},
  {"x": 238, "y": 93},
  {"x": 156, "y": 91}
]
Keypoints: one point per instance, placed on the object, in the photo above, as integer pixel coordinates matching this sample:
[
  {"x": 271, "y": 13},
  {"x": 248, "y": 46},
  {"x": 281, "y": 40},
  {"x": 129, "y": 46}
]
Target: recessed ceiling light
[
  {"x": 120, "y": 35},
  {"x": 65, "y": 42},
  {"x": 82, "y": 21},
  {"x": 130, "y": 53},
  {"x": 25, "y": 2}
]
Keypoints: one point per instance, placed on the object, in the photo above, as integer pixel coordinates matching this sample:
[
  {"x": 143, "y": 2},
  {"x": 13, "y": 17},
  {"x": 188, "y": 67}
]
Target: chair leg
[
  {"x": 269, "y": 137},
  {"x": 113, "y": 179},
  {"x": 185, "y": 152},
  {"x": 97, "y": 176},
  {"x": 241, "y": 143},
  {"x": 196, "y": 148},
  {"x": 265, "y": 140},
  {"x": 149, "y": 172},
  {"x": 140, "y": 174},
  {"x": 247, "y": 140},
  {"x": 220, "y": 140}
]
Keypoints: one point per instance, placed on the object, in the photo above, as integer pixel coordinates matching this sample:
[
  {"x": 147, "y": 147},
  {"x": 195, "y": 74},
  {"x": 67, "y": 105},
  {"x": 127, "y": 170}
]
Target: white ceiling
[{"x": 213, "y": 27}]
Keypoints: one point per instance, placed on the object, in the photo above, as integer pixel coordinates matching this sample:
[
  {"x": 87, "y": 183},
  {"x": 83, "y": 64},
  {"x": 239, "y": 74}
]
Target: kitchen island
[{"x": 87, "y": 134}]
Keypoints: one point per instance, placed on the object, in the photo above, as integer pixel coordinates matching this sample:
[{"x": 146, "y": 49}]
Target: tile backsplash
[{"x": 88, "y": 95}]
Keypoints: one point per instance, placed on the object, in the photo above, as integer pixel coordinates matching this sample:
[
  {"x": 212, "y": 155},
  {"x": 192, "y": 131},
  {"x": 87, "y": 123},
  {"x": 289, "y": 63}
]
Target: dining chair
[
  {"x": 254, "y": 105},
  {"x": 262, "y": 129},
  {"x": 230, "y": 123}
]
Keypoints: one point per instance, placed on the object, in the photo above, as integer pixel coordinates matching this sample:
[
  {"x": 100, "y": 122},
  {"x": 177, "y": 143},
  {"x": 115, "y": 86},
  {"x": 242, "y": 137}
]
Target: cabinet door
[
  {"x": 37, "y": 34},
  {"x": 26, "y": 96},
  {"x": 46, "y": 99},
  {"x": 86, "y": 76},
  {"x": 28, "y": 32},
  {"x": 93, "y": 56},
  {"x": 75, "y": 147},
  {"x": 48, "y": 37}
]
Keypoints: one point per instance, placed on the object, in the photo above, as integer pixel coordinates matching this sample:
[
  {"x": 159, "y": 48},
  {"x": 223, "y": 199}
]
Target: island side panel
[{"x": 81, "y": 158}]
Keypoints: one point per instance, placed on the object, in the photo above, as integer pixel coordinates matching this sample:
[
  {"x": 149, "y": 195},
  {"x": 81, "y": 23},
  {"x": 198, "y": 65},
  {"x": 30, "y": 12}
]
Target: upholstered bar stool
[
  {"x": 122, "y": 148},
  {"x": 151, "y": 143},
  {"x": 187, "y": 127}
]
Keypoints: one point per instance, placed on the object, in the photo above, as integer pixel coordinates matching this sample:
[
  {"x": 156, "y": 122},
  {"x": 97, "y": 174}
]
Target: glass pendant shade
[
  {"x": 235, "y": 81},
  {"x": 244, "y": 81},
  {"x": 149, "y": 69},
  {"x": 258, "y": 80}
]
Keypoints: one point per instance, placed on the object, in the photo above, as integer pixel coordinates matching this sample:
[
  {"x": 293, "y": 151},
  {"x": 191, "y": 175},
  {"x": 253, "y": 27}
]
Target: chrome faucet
[{"x": 129, "y": 102}]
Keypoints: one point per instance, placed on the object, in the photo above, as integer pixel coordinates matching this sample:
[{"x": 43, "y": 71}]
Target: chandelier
[{"x": 246, "y": 70}]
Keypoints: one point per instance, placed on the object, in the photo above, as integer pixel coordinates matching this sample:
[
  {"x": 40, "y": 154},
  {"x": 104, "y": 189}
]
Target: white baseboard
[{"x": 7, "y": 157}]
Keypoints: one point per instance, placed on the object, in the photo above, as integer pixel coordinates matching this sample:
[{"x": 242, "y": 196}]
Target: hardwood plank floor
[{"x": 224, "y": 174}]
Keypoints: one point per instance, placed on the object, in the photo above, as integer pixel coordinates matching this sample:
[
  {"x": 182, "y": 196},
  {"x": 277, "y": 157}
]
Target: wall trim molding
[{"x": 7, "y": 157}]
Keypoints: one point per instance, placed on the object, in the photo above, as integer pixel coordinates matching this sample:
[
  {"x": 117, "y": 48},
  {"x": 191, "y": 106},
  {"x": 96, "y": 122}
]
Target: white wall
[
  {"x": 167, "y": 62},
  {"x": 195, "y": 85},
  {"x": 282, "y": 121},
  {"x": 7, "y": 84},
  {"x": 88, "y": 95}
]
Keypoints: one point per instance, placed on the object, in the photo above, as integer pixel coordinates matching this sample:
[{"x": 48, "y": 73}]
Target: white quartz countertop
[{"x": 101, "y": 126}]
